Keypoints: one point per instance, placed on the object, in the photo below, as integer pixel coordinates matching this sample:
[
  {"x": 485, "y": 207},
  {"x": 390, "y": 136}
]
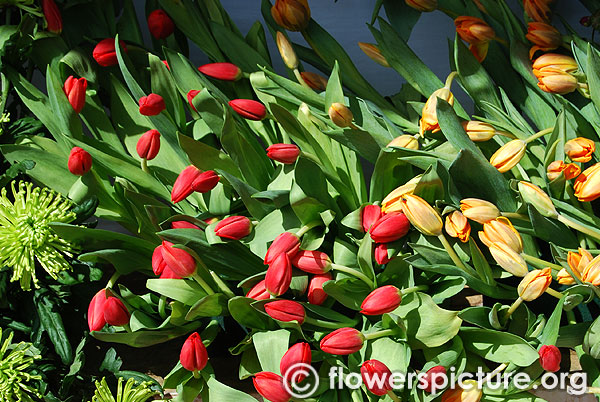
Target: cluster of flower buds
[
  {"x": 105, "y": 308},
  {"x": 477, "y": 33},
  {"x": 383, "y": 228},
  {"x": 556, "y": 73},
  {"x": 192, "y": 179}
]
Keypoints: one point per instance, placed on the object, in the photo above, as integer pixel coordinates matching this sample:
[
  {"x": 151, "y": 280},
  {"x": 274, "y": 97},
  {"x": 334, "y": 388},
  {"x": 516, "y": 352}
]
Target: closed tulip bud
[
  {"x": 591, "y": 272},
  {"x": 458, "y": 226},
  {"x": 158, "y": 262},
  {"x": 578, "y": 261},
  {"x": 564, "y": 277},
  {"x": 374, "y": 53},
  {"x": 580, "y": 149},
  {"x": 534, "y": 284},
  {"x": 555, "y": 81},
  {"x": 405, "y": 141},
  {"x": 343, "y": 341},
  {"x": 249, "y": 109},
  {"x": 340, "y": 115},
  {"x": 501, "y": 230},
  {"x": 293, "y": 15},
  {"x": 550, "y": 358},
  {"x": 193, "y": 355},
  {"x": 271, "y": 387},
  {"x": 570, "y": 170},
  {"x": 178, "y": 260},
  {"x": 433, "y": 379},
  {"x": 296, "y": 355},
  {"x": 183, "y": 225},
  {"x": 151, "y": 105},
  {"x": 587, "y": 184},
  {"x": 190, "y": 98},
  {"x": 422, "y": 5},
  {"x": 479, "y": 131},
  {"x": 80, "y": 161},
  {"x": 391, "y": 203},
  {"x": 382, "y": 300},
  {"x": 279, "y": 275},
  {"x": 369, "y": 215},
  {"x": 312, "y": 261},
  {"x": 75, "y": 88},
  {"x": 543, "y": 36},
  {"x": 532, "y": 194},
  {"x": 115, "y": 312},
  {"x": 169, "y": 274},
  {"x": 473, "y": 30},
  {"x": 234, "y": 227},
  {"x": 557, "y": 61},
  {"x": 508, "y": 259},
  {"x": 105, "y": 54},
  {"x": 429, "y": 120},
  {"x": 480, "y": 211},
  {"x": 422, "y": 215},
  {"x": 52, "y": 16},
  {"x": 316, "y": 293},
  {"x": 479, "y": 50},
  {"x": 284, "y": 153},
  {"x": 160, "y": 24},
  {"x": 259, "y": 292},
  {"x": 381, "y": 254},
  {"x": 288, "y": 55},
  {"x": 390, "y": 227},
  {"x": 221, "y": 71},
  {"x": 469, "y": 392},
  {"x": 376, "y": 377},
  {"x": 192, "y": 179},
  {"x": 285, "y": 310},
  {"x": 148, "y": 145},
  {"x": 537, "y": 10},
  {"x": 508, "y": 155},
  {"x": 96, "y": 320},
  {"x": 286, "y": 243},
  {"x": 314, "y": 80}
]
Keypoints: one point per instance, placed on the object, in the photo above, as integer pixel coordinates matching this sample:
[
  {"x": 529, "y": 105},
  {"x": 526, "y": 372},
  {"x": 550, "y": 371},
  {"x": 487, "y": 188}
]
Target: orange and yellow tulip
[
  {"x": 587, "y": 184},
  {"x": 580, "y": 149}
]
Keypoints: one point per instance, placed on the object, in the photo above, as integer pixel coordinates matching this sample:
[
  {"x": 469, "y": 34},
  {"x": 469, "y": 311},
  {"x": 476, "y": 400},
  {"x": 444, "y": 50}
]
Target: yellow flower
[
  {"x": 587, "y": 184},
  {"x": 479, "y": 131},
  {"x": 508, "y": 259},
  {"x": 458, "y": 226},
  {"x": 421, "y": 215},
  {"x": 534, "y": 284},
  {"x": 508, "y": 155},
  {"x": 532, "y": 194},
  {"x": 391, "y": 203},
  {"x": 580, "y": 149},
  {"x": 591, "y": 272},
  {"x": 288, "y": 55},
  {"x": 374, "y": 53},
  {"x": 405, "y": 141},
  {"x": 501, "y": 230},
  {"x": 429, "y": 120},
  {"x": 479, "y": 210}
]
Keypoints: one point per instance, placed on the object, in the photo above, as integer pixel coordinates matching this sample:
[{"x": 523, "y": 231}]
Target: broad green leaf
[
  {"x": 270, "y": 347},
  {"x": 499, "y": 347}
]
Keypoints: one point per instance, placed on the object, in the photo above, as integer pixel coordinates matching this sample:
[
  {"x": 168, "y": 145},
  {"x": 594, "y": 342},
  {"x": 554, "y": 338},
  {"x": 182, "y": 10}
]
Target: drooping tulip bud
[
  {"x": 376, "y": 377},
  {"x": 193, "y": 355},
  {"x": 587, "y": 184},
  {"x": 314, "y": 80},
  {"x": 52, "y": 16},
  {"x": 369, "y": 215},
  {"x": 259, "y": 292},
  {"x": 508, "y": 259},
  {"x": 405, "y": 141},
  {"x": 286, "y": 310},
  {"x": 293, "y": 15},
  {"x": 160, "y": 24},
  {"x": 286, "y": 243},
  {"x": 151, "y": 105},
  {"x": 288, "y": 55},
  {"x": 550, "y": 358},
  {"x": 284, "y": 153},
  {"x": 316, "y": 294},
  {"x": 279, "y": 275},
  {"x": 192, "y": 179},
  {"x": 422, "y": 215},
  {"x": 424, "y": 6},
  {"x": 249, "y": 109},
  {"x": 555, "y": 81},
  {"x": 80, "y": 161},
  {"x": 75, "y": 88},
  {"x": 433, "y": 380},
  {"x": 343, "y": 341},
  {"x": 473, "y": 30},
  {"x": 96, "y": 320},
  {"x": 479, "y": 210},
  {"x": 468, "y": 392},
  {"x": 390, "y": 227},
  {"x": 537, "y": 10},
  {"x": 382, "y": 300},
  {"x": 580, "y": 149},
  {"x": 105, "y": 54},
  {"x": 234, "y": 227},
  {"x": 271, "y": 387},
  {"x": 183, "y": 225},
  {"x": 381, "y": 254},
  {"x": 429, "y": 120},
  {"x": 115, "y": 312},
  {"x": 340, "y": 115},
  {"x": 190, "y": 97},
  {"x": 508, "y": 155},
  {"x": 501, "y": 230},
  {"x": 534, "y": 284},
  {"x": 543, "y": 36},
  {"x": 221, "y": 71},
  {"x": 479, "y": 131},
  {"x": 158, "y": 262},
  {"x": 532, "y": 194},
  {"x": 312, "y": 261},
  {"x": 570, "y": 170},
  {"x": 178, "y": 260},
  {"x": 296, "y": 355},
  {"x": 391, "y": 203},
  {"x": 374, "y": 53},
  {"x": 458, "y": 226},
  {"x": 591, "y": 272},
  {"x": 148, "y": 145},
  {"x": 557, "y": 61}
]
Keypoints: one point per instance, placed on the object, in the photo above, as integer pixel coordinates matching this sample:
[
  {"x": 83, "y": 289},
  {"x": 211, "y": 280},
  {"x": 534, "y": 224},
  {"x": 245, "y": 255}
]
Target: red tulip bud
[
  {"x": 193, "y": 356},
  {"x": 390, "y": 227},
  {"x": 178, "y": 260},
  {"x": 382, "y": 300},
  {"x": 313, "y": 262},
  {"x": 52, "y": 16},
  {"x": 249, "y": 109},
  {"x": 286, "y": 310},
  {"x": 169, "y": 274},
  {"x": 148, "y": 145},
  {"x": 287, "y": 243},
  {"x": 343, "y": 341},
  {"x": 316, "y": 294},
  {"x": 151, "y": 105},
  {"x": 158, "y": 262},
  {"x": 296, "y": 355},
  {"x": 270, "y": 386},
  {"x": 221, "y": 71},
  {"x": 370, "y": 214},
  {"x": 381, "y": 254},
  {"x": 75, "y": 88},
  {"x": 183, "y": 225},
  {"x": 205, "y": 181},
  {"x": 190, "y": 97},
  {"x": 279, "y": 275},
  {"x": 550, "y": 358},
  {"x": 259, "y": 292},
  {"x": 193, "y": 179},
  {"x": 434, "y": 379},
  {"x": 115, "y": 312},
  {"x": 376, "y": 377},
  {"x": 284, "y": 153},
  {"x": 234, "y": 227},
  {"x": 105, "y": 54},
  {"x": 80, "y": 161},
  {"x": 96, "y": 319},
  {"x": 160, "y": 25}
]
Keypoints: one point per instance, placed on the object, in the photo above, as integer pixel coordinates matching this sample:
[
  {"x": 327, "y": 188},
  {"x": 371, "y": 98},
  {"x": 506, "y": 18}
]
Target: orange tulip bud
[
  {"x": 570, "y": 171},
  {"x": 553, "y": 60},
  {"x": 288, "y": 55},
  {"x": 564, "y": 277},
  {"x": 429, "y": 120},
  {"x": 508, "y": 259},
  {"x": 405, "y": 141},
  {"x": 479, "y": 210},
  {"x": 293, "y": 15},
  {"x": 424, "y": 6},
  {"x": 537, "y": 10},
  {"x": 458, "y": 226},
  {"x": 501, "y": 230},
  {"x": 577, "y": 262},
  {"x": 314, "y": 80},
  {"x": 473, "y": 30},
  {"x": 587, "y": 184},
  {"x": 479, "y": 131},
  {"x": 508, "y": 155},
  {"x": 421, "y": 215},
  {"x": 534, "y": 284},
  {"x": 391, "y": 203},
  {"x": 479, "y": 50},
  {"x": 580, "y": 149},
  {"x": 340, "y": 115},
  {"x": 532, "y": 194},
  {"x": 591, "y": 273},
  {"x": 556, "y": 81},
  {"x": 374, "y": 53},
  {"x": 543, "y": 36}
]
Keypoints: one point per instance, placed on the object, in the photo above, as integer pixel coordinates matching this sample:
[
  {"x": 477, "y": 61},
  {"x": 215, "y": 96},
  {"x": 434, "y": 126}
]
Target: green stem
[
  {"x": 513, "y": 307},
  {"x": 514, "y": 215},
  {"x": 571, "y": 317},
  {"x": 162, "y": 304},
  {"x": 127, "y": 328},
  {"x": 491, "y": 375},
  {"x": 449, "y": 79},
  {"x": 539, "y": 134},
  {"x": 379, "y": 334},
  {"x": 202, "y": 283},
  {"x": 413, "y": 289},
  {"x": 113, "y": 279},
  {"x": 324, "y": 324},
  {"x": 300, "y": 79},
  {"x": 393, "y": 396},
  {"x": 222, "y": 285},
  {"x": 144, "y": 165},
  {"x": 579, "y": 227},
  {"x": 455, "y": 259},
  {"x": 554, "y": 293},
  {"x": 196, "y": 374},
  {"x": 540, "y": 263},
  {"x": 353, "y": 272},
  {"x": 307, "y": 227}
]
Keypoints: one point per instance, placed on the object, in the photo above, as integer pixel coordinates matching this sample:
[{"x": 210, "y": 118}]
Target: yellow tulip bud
[
  {"x": 508, "y": 259},
  {"x": 578, "y": 261},
  {"x": 580, "y": 149},
  {"x": 458, "y": 226},
  {"x": 422, "y": 5},
  {"x": 288, "y": 55},
  {"x": 543, "y": 36},
  {"x": 534, "y": 284},
  {"x": 479, "y": 210},
  {"x": 473, "y": 30},
  {"x": 564, "y": 278},
  {"x": 374, "y": 53},
  {"x": 468, "y": 393},
  {"x": 479, "y": 131},
  {"x": 391, "y": 203},
  {"x": 591, "y": 272},
  {"x": 501, "y": 230},
  {"x": 556, "y": 81},
  {"x": 560, "y": 62},
  {"x": 293, "y": 15},
  {"x": 532, "y": 194},
  {"x": 340, "y": 115},
  {"x": 421, "y": 215},
  {"x": 429, "y": 120},
  {"x": 570, "y": 170},
  {"x": 405, "y": 141},
  {"x": 587, "y": 184},
  {"x": 508, "y": 155}
]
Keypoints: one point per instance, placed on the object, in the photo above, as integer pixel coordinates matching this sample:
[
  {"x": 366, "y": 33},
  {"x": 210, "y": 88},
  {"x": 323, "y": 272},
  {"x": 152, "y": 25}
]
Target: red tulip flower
[
  {"x": 312, "y": 261},
  {"x": 284, "y": 153},
  {"x": 106, "y": 309},
  {"x": 343, "y": 341},
  {"x": 259, "y": 292},
  {"x": 316, "y": 294},
  {"x": 190, "y": 97},
  {"x": 80, "y": 161},
  {"x": 160, "y": 24},
  {"x": 369, "y": 215},
  {"x": 249, "y": 109},
  {"x": 158, "y": 262},
  {"x": 168, "y": 273},
  {"x": 96, "y": 319},
  {"x": 270, "y": 386},
  {"x": 382, "y": 300},
  {"x": 296, "y": 355},
  {"x": 381, "y": 254},
  {"x": 151, "y": 105},
  {"x": 115, "y": 312},
  {"x": 376, "y": 377},
  {"x": 178, "y": 260},
  {"x": 433, "y": 380},
  {"x": 148, "y": 145},
  {"x": 193, "y": 355},
  {"x": 233, "y": 227},
  {"x": 52, "y": 16},
  {"x": 279, "y": 275},
  {"x": 550, "y": 358},
  {"x": 286, "y": 310},
  {"x": 390, "y": 227},
  {"x": 183, "y": 225},
  {"x": 75, "y": 88},
  {"x": 287, "y": 243},
  {"x": 105, "y": 54},
  {"x": 221, "y": 71},
  {"x": 193, "y": 179}
]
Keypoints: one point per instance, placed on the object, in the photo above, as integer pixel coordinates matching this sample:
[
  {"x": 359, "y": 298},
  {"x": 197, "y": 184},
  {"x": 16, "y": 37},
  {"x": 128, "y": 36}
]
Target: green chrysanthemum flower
[
  {"x": 15, "y": 364},
  {"x": 26, "y": 236},
  {"x": 131, "y": 393}
]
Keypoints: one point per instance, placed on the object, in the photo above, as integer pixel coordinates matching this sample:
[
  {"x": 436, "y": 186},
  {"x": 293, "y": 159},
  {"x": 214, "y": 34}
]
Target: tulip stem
[
  {"x": 353, "y": 272},
  {"x": 578, "y": 226},
  {"x": 127, "y": 328},
  {"x": 196, "y": 374},
  {"x": 539, "y": 134},
  {"x": 455, "y": 259},
  {"x": 554, "y": 293},
  {"x": 145, "y": 165},
  {"x": 203, "y": 283},
  {"x": 571, "y": 317},
  {"x": 113, "y": 279},
  {"x": 513, "y": 307},
  {"x": 540, "y": 263},
  {"x": 515, "y": 215},
  {"x": 413, "y": 289},
  {"x": 379, "y": 334},
  {"x": 300, "y": 79},
  {"x": 307, "y": 227},
  {"x": 393, "y": 396},
  {"x": 222, "y": 285},
  {"x": 449, "y": 79},
  {"x": 494, "y": 373},
  {"x": 162, "y": 304},
  {"x": 324, "y": 324}
]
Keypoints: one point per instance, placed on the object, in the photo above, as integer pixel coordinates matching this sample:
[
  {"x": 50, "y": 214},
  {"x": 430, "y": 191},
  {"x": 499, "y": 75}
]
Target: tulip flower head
[
  {"x": 469, "y": 392},
  {"x": 534, "y": 284},
  {"x": 381, "y": 254},
  {"x": 115, "y": 312},
  {"x": 311, "y": 261},
  {"x": 405, "y": 141},
  {"x": 106, "y": 309},
  {"x": 80, "y": 161},
  {"x": 271, "y": 387},
  {"x": 286, "y": 310},
  {"x": 532, "y": 194},
  {"x": 382, "y": 300},
  {"x": 193, "y": 355},
  {"x": 221, "y": 71},
  {"x": 557, "y": 61},
  {"x": 249, "y": 109},
  {"x": 376, "y": 377},
  {"x": 501, "y": 230},
  {"x": 316, "y": 294},
  {"x": 429, "y": 120},
  {"x": 105, "y": 54},
  {"x": 158, "y": 262},
  {"x": 151, "y": 105},
  {"x": 422, "y": 215},
  {"x": 580, "y": 149},
  {"x": 284, "y": 153},
  {"x": 480, "y": 211},
  {"x": 286, "y": 243},
  {"x": 279, "y": 275},
  {"x": 193, "y": 179},
  {"x": 390, "y": 227},
  {"x": 340, "y": 115},
  {"x": 556, "y": 81},
  {"x": 183, "y": 225},
  {"x": 369, "y": 215},
  {"x": 234, "y": 227},
  {"x": 423, "y": 6},
  {"x": 178, "y": 260},
  {"x": 538, "y": 10},
  {"x": 288, "y": 55},
  {"x": 289, "y": 365},
  {"x": 160, "y": 24},
  {"x": 96, "y": 320},
  {"x": 343, "y": 341},
  {"x": 75, "y": 88},
  {"x": 508, "y": 259},
  {"x": 374, "y": 53},
  {"x": 392, "y": 202},
  {"x": 259, "y": 292},
  {"x": 508, "y": 155},
  {"x": 148, "y": 145},
  {"x": 591, "y": 272},
  {"x": 577, "y": 262},
  {"x": 458, "y": 226},
  {"x": 550, "y": 358},
  {"x": 543, "y": 36},
  {"x": 190, "y": 97},
  {"x": 479, "y": 131},
  {"x": 473, "y": 30},
  {"x": 556, "y": 168},
  {"x": 52, "y": 16},
  {"x": 293, "y": 15},
  {"x": 314, "y": 80},
  {"x": 587, "y": 184},
  {"x": 433, "y": 380}
]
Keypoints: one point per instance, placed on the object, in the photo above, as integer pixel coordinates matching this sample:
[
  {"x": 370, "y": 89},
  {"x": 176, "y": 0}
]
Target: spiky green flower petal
[
  {"x": 131, "y": 393},
  {"x": 26, "y": 236},
  {"x": 15, "y": 364}
]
